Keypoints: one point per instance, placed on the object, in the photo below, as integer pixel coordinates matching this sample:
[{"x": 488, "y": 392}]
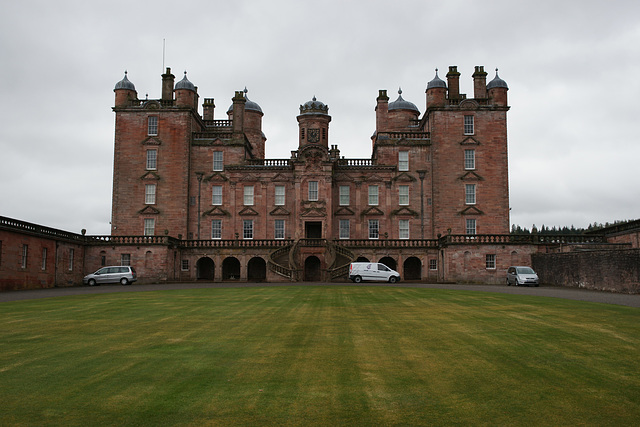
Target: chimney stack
[{"x": 453, "y": 82}]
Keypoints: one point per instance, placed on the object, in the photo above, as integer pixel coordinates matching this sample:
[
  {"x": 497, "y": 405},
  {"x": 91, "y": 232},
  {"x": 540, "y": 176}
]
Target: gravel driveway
[{"x": 545, "y": 291}]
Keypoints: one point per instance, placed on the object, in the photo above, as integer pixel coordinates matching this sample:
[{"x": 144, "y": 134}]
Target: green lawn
[{"x": 326, "y": 355}]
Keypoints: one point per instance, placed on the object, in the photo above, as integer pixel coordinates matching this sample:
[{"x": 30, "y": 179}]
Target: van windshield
[{"x": 525, "y": 270}]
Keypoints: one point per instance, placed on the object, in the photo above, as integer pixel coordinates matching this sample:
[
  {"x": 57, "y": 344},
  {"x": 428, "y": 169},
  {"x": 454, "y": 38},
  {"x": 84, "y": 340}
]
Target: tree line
[{"x": 517, "y": 229}]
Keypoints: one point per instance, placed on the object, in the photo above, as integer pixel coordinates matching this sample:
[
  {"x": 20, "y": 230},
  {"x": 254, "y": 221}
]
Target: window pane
[
  {"x": 373, "y": 195},
  {"x": 403, "y": 191},
  {"x": 218, "y": 163},
  {"x": 279, "y": 195},
  {"x": 152, "y": 125},
  {"x": 279, "y": 229},
  {"x": 216, "y": 229},
  {"x": 152, "y": 159},
  {"x": 491, "y": 261},
  {"x": 247, "y": 229},
  {"x": 470, "y": 194},
  {"x": 469, "y": 159},
  {"x": 150, "y": 194},
  {"x": 468, "y": 125},
  {"x": 404, "y": 229},
  {"x": 373, "y": 229},
  {"x": 313, "y": 190},
  {"x": 403, "y": 161},
  {"x": 344, "y": 229},
  {"x": 248, "y": 195},
  {"x": 149, "y": 226},
  {"x": 344, "y": 195},
  {"x": 217, "y": 195},
  {"x": 471, "y": 226}
]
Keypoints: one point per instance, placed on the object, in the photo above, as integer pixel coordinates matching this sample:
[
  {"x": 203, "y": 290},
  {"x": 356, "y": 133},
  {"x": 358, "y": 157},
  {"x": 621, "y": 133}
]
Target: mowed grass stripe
[{"x": 318, "y": 356}]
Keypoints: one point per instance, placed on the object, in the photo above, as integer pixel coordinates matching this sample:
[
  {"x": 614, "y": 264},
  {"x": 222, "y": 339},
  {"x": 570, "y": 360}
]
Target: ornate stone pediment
[
  {"x": 152, "y": 140},
  {"x": 404, "y": 177},
  {"x": 343, "y": 210},
  {"x": 217, "y": 177},
  {"x": 313, "y": 209},
  {"x": 148, "y": 210},
  {"x": 372, "y": 211},
  {"x": 405, "y": 211},
  {"x": 250, "y": 177},
  {"x": 216, "y": 211},
  {"x": 150, "y": 176},
  {"x": 281, "y": 178},
  {"x": 469, "y": 141},
  {"x": 248, "y": 211},
  {"x": 471, "y": 176},
  {"x": 471, "y": 210},
  {"x": 279, "y": 211}
]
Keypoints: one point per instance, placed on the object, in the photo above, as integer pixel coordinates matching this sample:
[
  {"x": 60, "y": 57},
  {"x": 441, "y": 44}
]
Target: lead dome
[
  {"x": 401, "y": 104},
  {"x": 314, "y": 107},
  {"x": 436, "y": 82},
  {"x": 125, "y": 84},
  {"x": 497, "y": 82},
  {"x": 185, "y": 84}
]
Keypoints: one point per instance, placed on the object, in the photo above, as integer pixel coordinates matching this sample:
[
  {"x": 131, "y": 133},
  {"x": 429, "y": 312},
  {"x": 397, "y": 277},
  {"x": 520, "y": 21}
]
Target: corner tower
[{"x": 313, "y": 124}]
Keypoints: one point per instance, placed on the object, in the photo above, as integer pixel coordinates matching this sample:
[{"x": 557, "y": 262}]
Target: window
[
  {"x": 373, "y": 195},
  {"x": 152, "y": 159},
  {"x": 152, "y": 126},
  {"x": 184, "y": 265},
  {"x": 491, "y": 261},
  {"x": 403, "y": 195},
  {"x": 468, "y": 125},
  {"x": 344, "y": 230},
  {"x": 149, "y": 227},
  {"x": 216, "y": 229},
  {"x": 218, "y": 163},
  {"x": 103, "y": 260},
  {"x": 471, "y": 226},
  {"x": 44, "y": 258},
  {"x": 344, "y": 195},
  {"x": 374, "y": 229},
  {"x": 125, "y": 259},
  {"x": 25, "y": 253},
  {"x": 313, "y": 190},
  {"x": 470, "y": 194},
  {"x": 248, "y": 195},
  {"x": 403, "y": 161},
  {"x": 404, "y": 229},
  {"x": 433, "y": 264},
  {"x": 279, "y": 201},
  {"x": 150, "y": 194},
  {"x": 71, "y": 254},
  {"x": 216, "y": 195},
  {"x": 469, "y": 159},
  {"x": 279, "y": 229},
  {"x": 247, "y": 229}
]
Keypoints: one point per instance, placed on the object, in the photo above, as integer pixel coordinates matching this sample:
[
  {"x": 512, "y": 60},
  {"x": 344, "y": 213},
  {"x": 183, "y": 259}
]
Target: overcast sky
[{"x": 573, "y": 70}]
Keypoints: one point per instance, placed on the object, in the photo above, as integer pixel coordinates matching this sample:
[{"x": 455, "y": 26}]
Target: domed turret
[
  {"x": 497, "y": 82},
  {"x": 185, "y": 84},
  {"x": 186, "y": 93},
  {"x": 248, "y": 106},
  {"x": 314, "y": 107},
  {"x": 436, "y": 82},
  {"x": 401, "y": 104},
  {"x": 125, "y": 91}
]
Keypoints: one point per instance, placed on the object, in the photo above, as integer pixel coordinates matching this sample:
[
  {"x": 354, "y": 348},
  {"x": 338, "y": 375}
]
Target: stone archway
[
  {"x": 389, "y": 262},
  {"x": 312, "y": 269},
  {"x": 362, "y": 259},
  {"x": 205, "y": 269},
  {"x": 230, "y": 268},
  {"x": 256, "y": 270},
  {"x": 412, "y": 269}
]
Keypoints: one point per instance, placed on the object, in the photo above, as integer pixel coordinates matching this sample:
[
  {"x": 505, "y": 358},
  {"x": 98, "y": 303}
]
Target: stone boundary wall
[{"x": 606, "y": 270}]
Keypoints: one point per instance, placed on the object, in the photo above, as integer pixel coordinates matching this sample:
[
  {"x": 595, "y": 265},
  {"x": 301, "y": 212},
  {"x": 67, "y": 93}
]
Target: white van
[{"x": 359, "y": 271}]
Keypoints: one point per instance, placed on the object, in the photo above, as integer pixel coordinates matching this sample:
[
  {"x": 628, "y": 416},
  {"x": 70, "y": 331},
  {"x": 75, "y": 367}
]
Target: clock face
[{"x": 313, "y": 135}]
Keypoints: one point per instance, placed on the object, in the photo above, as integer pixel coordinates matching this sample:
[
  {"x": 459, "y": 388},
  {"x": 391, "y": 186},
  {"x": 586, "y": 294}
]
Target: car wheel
[
  {"x": 508, "y": 282},
  {"x": 92, "y": 282},
  {"x": 393, "y": 279},
  {"x": 124, "y": 281},
  {"x": 357, "y": 279}
]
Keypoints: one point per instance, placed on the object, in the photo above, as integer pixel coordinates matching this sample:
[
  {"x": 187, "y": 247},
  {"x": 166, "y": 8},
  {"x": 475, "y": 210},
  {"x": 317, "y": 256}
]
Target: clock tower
[{"x": 313, "y": 123}]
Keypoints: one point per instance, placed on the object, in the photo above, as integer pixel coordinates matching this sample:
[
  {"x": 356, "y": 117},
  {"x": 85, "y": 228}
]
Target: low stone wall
[{"x": 608, "y": 270}]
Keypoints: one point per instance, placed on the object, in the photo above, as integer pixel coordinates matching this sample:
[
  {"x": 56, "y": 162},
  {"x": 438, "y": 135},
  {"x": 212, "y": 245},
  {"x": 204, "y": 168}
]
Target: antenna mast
[{"x": 163, "y": 43}]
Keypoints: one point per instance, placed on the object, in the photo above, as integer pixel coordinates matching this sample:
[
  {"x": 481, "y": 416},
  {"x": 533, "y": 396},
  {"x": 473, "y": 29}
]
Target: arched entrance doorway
[
  {"x": 389, "y": 262},
  {"x": 205, "y": 269},
  {"x": 230, "y": 268},
  {"x": 256, "y": 270},
  {"x": 412, "y": 269},
  {"x": 312, "y": 269},
  {"x": 362, "y": 259}
]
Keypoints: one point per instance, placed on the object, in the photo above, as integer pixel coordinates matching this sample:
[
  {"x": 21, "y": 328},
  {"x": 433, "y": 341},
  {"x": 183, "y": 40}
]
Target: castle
[{"x": 196, "y": 177}]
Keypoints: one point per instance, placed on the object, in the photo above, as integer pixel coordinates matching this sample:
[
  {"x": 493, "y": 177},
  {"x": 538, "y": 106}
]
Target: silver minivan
[
  {"x": 375, "y": 271},
  {"x": 113, "y": 274},
  {"x": 522, "y": 276}
]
